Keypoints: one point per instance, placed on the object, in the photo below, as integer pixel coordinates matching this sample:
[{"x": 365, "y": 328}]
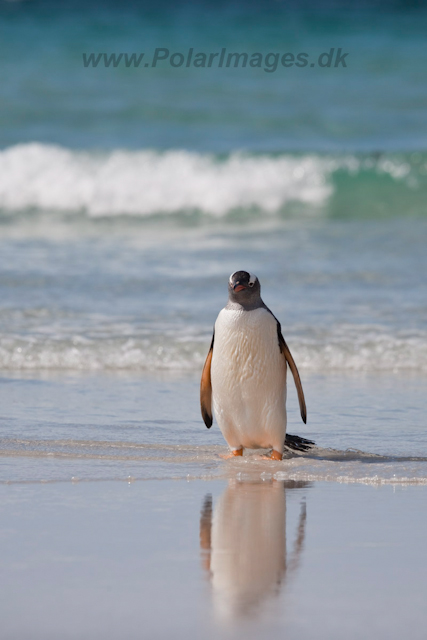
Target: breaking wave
[
  {"x": 147, "y": 182},
  {"x": 346, "y": 348}
]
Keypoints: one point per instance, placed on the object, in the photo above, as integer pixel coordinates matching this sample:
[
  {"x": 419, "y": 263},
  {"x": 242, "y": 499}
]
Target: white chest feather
[
  {"x": 245, "y": 343},
  {"x": 249, "y": 379}
]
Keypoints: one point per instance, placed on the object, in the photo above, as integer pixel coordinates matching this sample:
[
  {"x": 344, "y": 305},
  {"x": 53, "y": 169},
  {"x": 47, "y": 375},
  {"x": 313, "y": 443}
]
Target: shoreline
[{"x": 93, "y": 426}]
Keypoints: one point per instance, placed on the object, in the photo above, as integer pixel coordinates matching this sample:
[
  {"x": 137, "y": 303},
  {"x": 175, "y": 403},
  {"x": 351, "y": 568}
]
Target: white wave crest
[
  {"x": 341, "y": 349},
  {"x": 362, "y": 348},
  {"x": 146, "y": 182}
]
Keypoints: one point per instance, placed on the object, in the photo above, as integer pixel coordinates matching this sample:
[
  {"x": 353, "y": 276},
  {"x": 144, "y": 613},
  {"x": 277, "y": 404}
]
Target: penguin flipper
[
  {"x": 293, "y": 367},
  {"x": 206, "y": 389}
]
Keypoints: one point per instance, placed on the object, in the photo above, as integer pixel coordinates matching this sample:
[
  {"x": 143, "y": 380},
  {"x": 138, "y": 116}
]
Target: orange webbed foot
[
  {"x": 274, "y": 455},
  {"x": 232, "y": 454}
]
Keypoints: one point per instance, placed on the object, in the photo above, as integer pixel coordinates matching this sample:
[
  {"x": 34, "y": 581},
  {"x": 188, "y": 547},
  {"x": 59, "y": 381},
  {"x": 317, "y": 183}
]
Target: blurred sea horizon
[
  {"x": 340, "y": 141},
  {"x": 376, "y": 104}
]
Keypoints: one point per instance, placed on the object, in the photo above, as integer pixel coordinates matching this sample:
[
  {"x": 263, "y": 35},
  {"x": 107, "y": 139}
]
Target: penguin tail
[{"x": 296, "y": 443}]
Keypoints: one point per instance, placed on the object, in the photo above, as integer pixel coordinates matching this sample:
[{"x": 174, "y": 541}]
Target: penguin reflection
[{"x": 243, "y": 543}]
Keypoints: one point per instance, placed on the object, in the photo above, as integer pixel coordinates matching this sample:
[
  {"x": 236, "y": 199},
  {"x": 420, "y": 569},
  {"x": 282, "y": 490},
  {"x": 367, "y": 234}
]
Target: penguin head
[{"x": 244, "y": 288}]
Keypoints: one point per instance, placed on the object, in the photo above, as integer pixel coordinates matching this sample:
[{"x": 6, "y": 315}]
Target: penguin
[{"x": 244, "y": 377}]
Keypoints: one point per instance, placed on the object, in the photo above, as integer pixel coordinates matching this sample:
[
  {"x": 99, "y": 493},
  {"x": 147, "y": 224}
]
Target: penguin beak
[{"x": 238, "y": 287}]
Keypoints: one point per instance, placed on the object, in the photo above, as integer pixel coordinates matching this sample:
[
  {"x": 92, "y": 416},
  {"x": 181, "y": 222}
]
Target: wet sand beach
[{"x": 132, "y": 525}]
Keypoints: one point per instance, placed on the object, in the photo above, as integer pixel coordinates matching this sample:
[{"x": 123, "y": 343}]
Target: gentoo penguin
[{"x": 244, "y": 376}]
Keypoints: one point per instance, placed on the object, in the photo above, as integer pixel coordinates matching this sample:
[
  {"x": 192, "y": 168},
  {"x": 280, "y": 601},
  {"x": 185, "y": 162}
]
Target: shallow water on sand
[
  {"x": 120, "y": 519},
  {"x": 91, "y": 427},
  {"x": 213, "y": 559}
]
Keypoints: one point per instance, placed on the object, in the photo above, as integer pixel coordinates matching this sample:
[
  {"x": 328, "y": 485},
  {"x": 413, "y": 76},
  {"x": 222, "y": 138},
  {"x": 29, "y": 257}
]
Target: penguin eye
[{"x": 252, "y": 280}]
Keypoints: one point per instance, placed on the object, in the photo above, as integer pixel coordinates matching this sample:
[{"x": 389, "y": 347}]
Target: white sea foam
[
  {"x": 362, "y": 348},
  {"x": 342, "y": 348},
  {"x": 146, "y": 182}
]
